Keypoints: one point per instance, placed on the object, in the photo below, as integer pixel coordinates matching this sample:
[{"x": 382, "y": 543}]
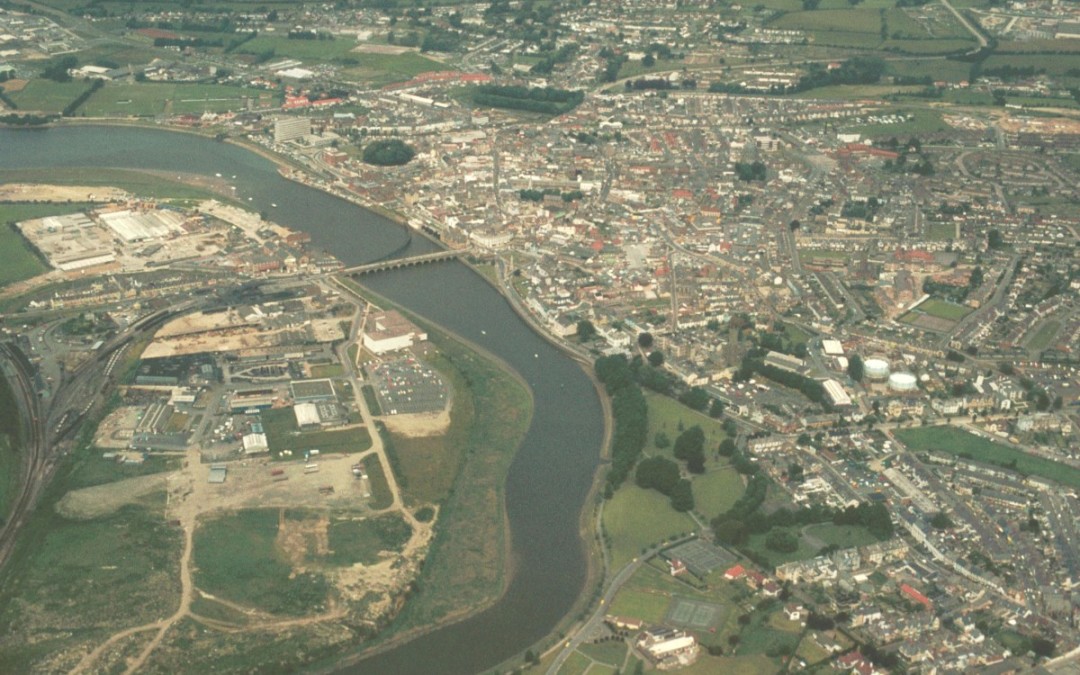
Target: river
[{"x": 551, "y": 474}]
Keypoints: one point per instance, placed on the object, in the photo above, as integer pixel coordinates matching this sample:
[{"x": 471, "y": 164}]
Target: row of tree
[
  {"x": 546, "y": 100},
  {"x": 630, "y": 413}
]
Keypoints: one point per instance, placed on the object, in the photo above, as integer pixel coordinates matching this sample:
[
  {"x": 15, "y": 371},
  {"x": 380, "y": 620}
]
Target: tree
[
  {"x": 656, "y": 358},
  {"x": 586, "y": 330},
  {"x": 727, "y": 447},
  {"x": 645, "y": 340},
  {"x": 782, "y": 541},
  {"x": 994, "y": 239},
  {"x": 682, "y": 496},
  {"x": 648, "y": 60},
  {"x": 657, "y": 473},
  {"x": 661, "y": 440},
  {"x": 855, "y": 368},
  {"x": 941, "y": 521},
  {"x": 716, "y": 408},
  {"x": 390, "y": 152},
  {"x": 57, "y": 69},
  {"x": 690, "y": 448},
  {"x": 695, "y": 397}
]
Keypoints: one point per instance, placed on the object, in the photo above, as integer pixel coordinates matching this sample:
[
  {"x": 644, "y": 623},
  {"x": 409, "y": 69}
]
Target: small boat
[
  {"x": 273, "y": 204},
  {"x": 483, "y": 332}
]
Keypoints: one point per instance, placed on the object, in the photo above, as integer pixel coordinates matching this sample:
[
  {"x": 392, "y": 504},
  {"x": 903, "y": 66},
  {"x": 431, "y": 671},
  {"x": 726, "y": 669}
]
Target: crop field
[
  {"x": 1056, "y": 64},
  {"x": 635, "y": 519},
  {"x": 847, "y": 20},
  {"x": 47, "y": 96},
  {"x": 936, "y": 69},
  {"x": 940, "y": 46},
  {"x": 1054, "y": 47},
  {"x": 964, "y": 444},
  {"x": 314, "y": 50},
  {"x": 901, "y": 26}
]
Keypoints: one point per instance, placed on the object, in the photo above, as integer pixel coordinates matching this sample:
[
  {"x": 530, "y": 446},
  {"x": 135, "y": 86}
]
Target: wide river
[{"x": 551, "y": 474}]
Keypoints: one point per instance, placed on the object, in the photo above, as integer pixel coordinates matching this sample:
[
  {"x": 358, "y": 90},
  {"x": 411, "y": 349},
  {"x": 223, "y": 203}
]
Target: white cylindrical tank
[
  {"x": 876, "y": 369},
  {"x": 902, "y": 382}
]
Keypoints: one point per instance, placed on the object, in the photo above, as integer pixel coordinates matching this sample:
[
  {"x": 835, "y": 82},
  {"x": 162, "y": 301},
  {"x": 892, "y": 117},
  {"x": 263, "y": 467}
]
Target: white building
[
  {"x": 255, "y": 444},
  {"x": 290, "y": 128},
  {"x": 307, "y": 415},
  {"x": 390, "y": 331}
]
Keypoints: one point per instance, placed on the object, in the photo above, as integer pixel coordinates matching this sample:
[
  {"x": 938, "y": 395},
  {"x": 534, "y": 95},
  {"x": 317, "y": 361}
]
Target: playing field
[
  {"x": 148, "y": 99},
  {"x": 46, "y": 95},
  {"x": 695, "y": 614}
]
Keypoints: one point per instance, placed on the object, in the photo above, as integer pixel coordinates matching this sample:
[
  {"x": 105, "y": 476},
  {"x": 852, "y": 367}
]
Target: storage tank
[
  {"x": 902, "y": 382},
  {"x": 876, "y": 369}
]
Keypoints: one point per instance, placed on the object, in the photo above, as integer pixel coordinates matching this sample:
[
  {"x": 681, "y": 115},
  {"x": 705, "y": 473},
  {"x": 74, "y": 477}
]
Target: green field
[
  {"x": 917, "y": 122},
  {"x": 282, "y": 434},
  {"x": 936, "y": 69},
  {"x": 362, "y": 541},
  {"x": 849, "y": 20},
  {"x": 842, "y": 536},
  {"x": 635, "y": 519},
  {"x": 671, "y": 417},
  {"x": 941, "y": 231},
  {"x": 10, "y": 434},
  {"x": 18, "y": 260},
  {"x": 237, "y": 559},
  {"x": 1045, "y": 335},
  {"x": 716, "y": 491},
  {"x": 963, "y": 444},
  {"x": 928, "y": 46},
  {"x": 576, "y": 664},
  {"x": 383, "y": 69},
  {"x": 152, "y": 98},
  {"x": 86, "y": 578},
  {"x": 313, "y": 50},
  {"x": 46, "y": 95},
  {"x": 944, "y": 310},
  {"x": 381, "y": 497}
]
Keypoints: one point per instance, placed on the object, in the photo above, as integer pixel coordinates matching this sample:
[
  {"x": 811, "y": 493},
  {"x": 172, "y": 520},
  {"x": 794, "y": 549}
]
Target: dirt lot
[
  {"x": 419, "y": 425},
  {"x": 23, "y": 192},
  {"x": 116, "y": 430}
]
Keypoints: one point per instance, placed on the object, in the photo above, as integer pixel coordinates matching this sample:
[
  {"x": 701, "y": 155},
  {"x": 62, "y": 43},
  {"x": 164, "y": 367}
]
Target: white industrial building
[
  {"x": 255, "y": 444},
  {"x": 838, "y": 398},
  {"x": 132, "y": 226},
  {"x": 307, "y": 415},
  {"x": 668, "y": 647}
]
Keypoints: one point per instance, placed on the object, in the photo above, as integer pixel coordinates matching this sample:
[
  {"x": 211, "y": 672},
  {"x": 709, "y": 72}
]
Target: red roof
[
  {"x": 916, "y": 596},
  {"x": 735, "y": 572}
]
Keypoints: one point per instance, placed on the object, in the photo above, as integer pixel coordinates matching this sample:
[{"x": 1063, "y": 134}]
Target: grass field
[
  {"x": 963, "y": 444},
  {"x": 937, "y": 69},
  {"x": 843, "y": 536},
  {"x": 10, "y": 434},
  {"x": 670, "y": 417},
  {"x": 237, "y": 559},
  {"x": 387, "y": 68},
  {"x": 327, "y": 370},
  {"x": 944, "y": 310},
  {"x": 381, "y": 497},
  {"x": 928, "y": 46},
  {"x": 82, "y": 577},
  {"x": 576, "y": 664},
  {"x": 1045, "y": 335},
  {"x": 716, "y": 491},
  {"x": 362, "y": 541},
  {"x": 314, "y": 50},
  {"x": 148, "y": 99},
  {"x": 850, "y": 20},
  {"x": 282, "y": 434},
  {"x": 635, "y": 519},
  {"x": 649, "y": 606},
  {"x": 941, "y": 231},
  {"x": 18, "y": 260},
  {"x": 46, "y": 95},
  {"x": 613, "y": 653},
  {"x": 917, "y": 122}
]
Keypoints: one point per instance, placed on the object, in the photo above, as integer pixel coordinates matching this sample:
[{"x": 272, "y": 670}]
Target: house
[
  {"x": 676, "y": 567},
  {"x": 734, "y": 572},
  {"x": 795, "y": 612}
]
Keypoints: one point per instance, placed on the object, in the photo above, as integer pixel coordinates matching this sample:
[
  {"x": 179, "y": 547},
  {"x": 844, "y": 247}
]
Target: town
[{"x": 821, "y": 257}]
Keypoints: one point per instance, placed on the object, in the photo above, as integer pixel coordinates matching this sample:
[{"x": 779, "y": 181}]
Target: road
[{"x": 962, "y": 19}]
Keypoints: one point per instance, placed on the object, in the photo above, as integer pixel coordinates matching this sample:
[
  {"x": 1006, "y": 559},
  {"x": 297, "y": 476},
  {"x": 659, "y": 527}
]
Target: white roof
[
  {"x": 832, "y": 347},
  {"x": 255, "y": 442},
  {"x": 306, "y": 414}
]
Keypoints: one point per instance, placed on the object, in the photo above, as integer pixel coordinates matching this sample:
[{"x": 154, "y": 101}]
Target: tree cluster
[
  {"x": 662, "y": 474},
  {"x": 750, "y": 171},
  {"x": 856, "y": 70},
  {"x": 690, "y": 448},
  {"x": 546, "y": 100},
  {"x": 630, "y": 413},
  {"x": 57, "y": 69},
  {"x": 389, "y": 152}
]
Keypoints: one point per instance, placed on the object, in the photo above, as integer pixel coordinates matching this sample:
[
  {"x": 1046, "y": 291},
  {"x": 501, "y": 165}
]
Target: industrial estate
[{"x": 820, "y": 258}]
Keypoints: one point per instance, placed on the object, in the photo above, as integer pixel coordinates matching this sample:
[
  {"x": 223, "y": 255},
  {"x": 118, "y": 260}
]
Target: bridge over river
[{"x": 395, "y": 263}]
